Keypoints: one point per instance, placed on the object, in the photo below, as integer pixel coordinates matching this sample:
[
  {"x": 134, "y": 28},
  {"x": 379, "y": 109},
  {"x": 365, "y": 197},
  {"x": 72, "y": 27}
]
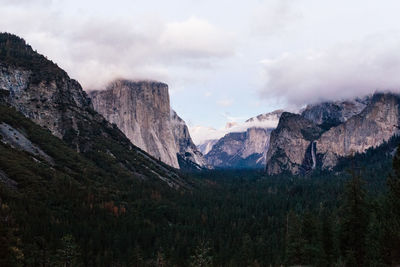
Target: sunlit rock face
[
  {"x": 325, "y": 132},
  {"x": 142, "y": 111},
  {"x": 377, "y": 123}
]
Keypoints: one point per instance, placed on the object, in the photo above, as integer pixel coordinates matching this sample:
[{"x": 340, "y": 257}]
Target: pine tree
[
  {"x": 295, "y": 244},
  {"x": 201, "y": 257},
  {"x": 392, "y": 222},
  {"x": 354, "y": 222},
  {"x": 68, "y": 253}
]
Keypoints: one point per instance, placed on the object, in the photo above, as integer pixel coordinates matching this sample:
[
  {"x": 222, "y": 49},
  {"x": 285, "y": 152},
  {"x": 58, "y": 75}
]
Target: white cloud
[
  {"x": 196, "y": 38},
  {"x": 95, "y": 50},
  {"x": 201, "y": 134},
  {"x": 343, "y": 71}
]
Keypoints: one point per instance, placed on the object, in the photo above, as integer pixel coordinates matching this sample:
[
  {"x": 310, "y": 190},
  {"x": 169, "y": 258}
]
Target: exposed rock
[
  {"x": 43, "y": 92},
  {"x": 289, "y": 143},
  {"x": 377, "y": 123},
  {"x": 187, "y": 152},
  {"x": 266, "y": 120},
  {"x": 52, "y": 104},
  {"x": 206, "y": 146},
  {"x": 142, "y": 111},
  {"x": 329, "y": 114},
  {"x": 240, "y": 150},
  {"x": 245, "y": 146},
  {"x": 17, "y": 140}
]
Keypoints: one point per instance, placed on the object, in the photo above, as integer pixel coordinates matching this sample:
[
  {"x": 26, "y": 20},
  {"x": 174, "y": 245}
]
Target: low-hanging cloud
[
  {"x": 340, "y": 72},
  {"x": 95, "y": 50}
]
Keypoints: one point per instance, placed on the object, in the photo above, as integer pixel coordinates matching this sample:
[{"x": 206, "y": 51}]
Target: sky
[{"x": 224, "y": 61}]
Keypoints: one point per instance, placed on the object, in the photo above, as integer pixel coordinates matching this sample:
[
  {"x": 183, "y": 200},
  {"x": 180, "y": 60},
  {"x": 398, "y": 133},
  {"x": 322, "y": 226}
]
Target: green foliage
[
  {"x": 15, "y": 52},
  {"x": 88, "y": 210},
  {"x": 201, "y": 256},
  {"x": 354, "y": 222}
]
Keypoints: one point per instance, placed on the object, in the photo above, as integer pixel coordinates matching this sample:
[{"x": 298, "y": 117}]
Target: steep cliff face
[
  {"x": 245, "y": 146},
  {"x": 289, "y": 143},
  {"x": 142, "y": 111},
  {"x": 44, "y": 93},
  {"x": 377, "y": 123},
  {"x": 206, "y": 146},
  {"x": 50, "y": 103},
  {"x": 329, "y": 114},
  {"x": 240, "y": 150},
  {"x": 187, "y": 152}
]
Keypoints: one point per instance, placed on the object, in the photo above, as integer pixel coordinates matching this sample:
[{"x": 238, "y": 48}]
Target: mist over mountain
[{"x": 262, "y": 134}]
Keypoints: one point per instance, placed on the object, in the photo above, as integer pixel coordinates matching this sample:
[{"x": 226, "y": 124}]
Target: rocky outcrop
[
  {"x": 189, "y": 157},
  {"x": 206, "y": 146},
  {"x": 330, "y": 114},
  {"x": 53, "y": 104},
  {"x": 44, "y": 93},
  {"x": 266, "y": 120},
  {"x": 289, "y": 143},
  {"x": 17, "y": 140},
  {"x": 245, "y": 145},
  {"x": 377, "y": 123},
  {"x": 240, "y": 150},
  {"x": 326, "y": 132},
  {"x": 142, "y": 111}
]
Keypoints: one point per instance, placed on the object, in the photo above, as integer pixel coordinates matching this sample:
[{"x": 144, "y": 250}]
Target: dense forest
[{"x": 73, "y": 213}]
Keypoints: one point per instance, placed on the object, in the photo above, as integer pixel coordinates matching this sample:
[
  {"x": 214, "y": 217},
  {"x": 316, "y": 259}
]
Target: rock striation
[
  {"x": 44, "y": 93},
  {"x": 189, "y": 157},
  {"x": 240, "y": 150},
  {"x": 245, "y": 146},
  {"x": 206, "y": 146},
  {"x": 289, "y": 143},
  {"x": 377, "y": 123},
  {"x": 325, "y": 132},
  {"x": 329, "y": 114},
  {"x": 142, "y": 111}
]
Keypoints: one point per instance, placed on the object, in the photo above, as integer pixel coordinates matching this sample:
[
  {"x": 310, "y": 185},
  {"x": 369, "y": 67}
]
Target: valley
[{"x": 112, "y": 177}]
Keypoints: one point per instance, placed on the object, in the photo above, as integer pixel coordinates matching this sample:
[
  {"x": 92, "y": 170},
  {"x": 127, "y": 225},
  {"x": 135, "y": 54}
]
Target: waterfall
[{"x": 314, "y": 160}]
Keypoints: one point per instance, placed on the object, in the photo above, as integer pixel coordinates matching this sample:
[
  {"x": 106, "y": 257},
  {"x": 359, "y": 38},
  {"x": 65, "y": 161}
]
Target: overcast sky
[{"x": 223, "y": 60}]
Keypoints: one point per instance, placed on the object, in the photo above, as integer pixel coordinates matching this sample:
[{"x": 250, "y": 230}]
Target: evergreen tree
[
  {"x": 201, "y": 257},
  {"x": 295, "y": 244},
  {"x": 354, "y": 222},
  {"x": 392, "y": 222},
  {"x": 68, "y": 254}
]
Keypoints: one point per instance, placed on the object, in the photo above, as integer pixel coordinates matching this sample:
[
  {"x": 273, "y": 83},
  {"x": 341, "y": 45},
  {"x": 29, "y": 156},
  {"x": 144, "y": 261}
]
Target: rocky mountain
[
  {"x": 377, "y": 123},
  {"x": 325, "y": 132},
  {"x": 289, "y": 143},
  {"x": 329, "y": 114},
  {"x": 142, "y": 111},
  {"x": 246, "y": 146},
  {"x": 189, "y": 157},
  {"x": 44, "y": 93},
  {"x": 207, "y": 145},
  {"x": 240, "y": 150}
]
